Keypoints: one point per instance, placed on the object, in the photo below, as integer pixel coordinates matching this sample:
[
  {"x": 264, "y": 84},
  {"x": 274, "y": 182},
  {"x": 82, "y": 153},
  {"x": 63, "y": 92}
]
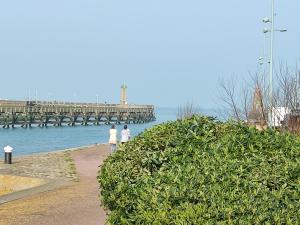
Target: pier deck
[{"x": 28, "y": 113}]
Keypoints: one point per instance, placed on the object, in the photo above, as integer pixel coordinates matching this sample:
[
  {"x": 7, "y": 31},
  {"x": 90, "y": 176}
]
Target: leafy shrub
[{"x": 203, "y": 171}]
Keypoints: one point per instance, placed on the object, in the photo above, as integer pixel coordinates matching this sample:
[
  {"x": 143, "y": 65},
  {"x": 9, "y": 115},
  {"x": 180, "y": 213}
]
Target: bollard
[{"x": 8, "y": 154}]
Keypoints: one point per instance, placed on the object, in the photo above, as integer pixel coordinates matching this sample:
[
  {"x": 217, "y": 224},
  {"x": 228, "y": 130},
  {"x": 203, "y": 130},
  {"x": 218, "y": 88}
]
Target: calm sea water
[{"x": 36, "y": 140}]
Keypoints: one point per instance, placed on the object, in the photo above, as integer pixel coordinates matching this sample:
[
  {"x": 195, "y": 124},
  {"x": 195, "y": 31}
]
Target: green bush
[{"x": 203, "y": 171}]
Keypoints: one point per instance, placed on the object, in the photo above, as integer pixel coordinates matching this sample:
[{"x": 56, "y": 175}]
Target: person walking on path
[
  {"x": 125, "y": 134},
  {"x": 113, "y": 138}
]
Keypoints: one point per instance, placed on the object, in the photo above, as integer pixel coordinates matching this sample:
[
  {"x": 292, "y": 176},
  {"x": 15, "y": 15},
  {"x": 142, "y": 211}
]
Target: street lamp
[
  {"x": 266, "y": 30},
  {"x": 49, "y": 97},
  {"x": 272, "y": 30},
  {"x": 97, "y": 98},
  {"x": 298, "y": 86},
  {"x": 261, "y": 60}
]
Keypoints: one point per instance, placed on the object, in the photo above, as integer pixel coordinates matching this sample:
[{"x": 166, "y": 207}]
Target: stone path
[{"x": 75, "y": 204}]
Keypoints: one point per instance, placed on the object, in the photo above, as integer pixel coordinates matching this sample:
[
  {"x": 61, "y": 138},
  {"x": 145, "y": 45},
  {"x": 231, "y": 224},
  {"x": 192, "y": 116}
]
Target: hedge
[{"x": 203, "y": 171}]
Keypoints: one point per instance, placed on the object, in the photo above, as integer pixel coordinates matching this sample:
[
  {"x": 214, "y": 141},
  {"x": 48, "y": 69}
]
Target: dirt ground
[{"x": 75, "y": 204}]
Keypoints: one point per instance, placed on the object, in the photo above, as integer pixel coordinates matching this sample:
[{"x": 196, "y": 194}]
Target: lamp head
[
  {"x": 266, "y": 20},
  {"x": 265, "y": 30}
]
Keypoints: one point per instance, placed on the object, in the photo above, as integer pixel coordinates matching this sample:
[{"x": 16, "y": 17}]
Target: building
[
  {"x": 278, "y": 116},
  {"x": 257, "y": 115},
  {"x": 291, "y": 121}
]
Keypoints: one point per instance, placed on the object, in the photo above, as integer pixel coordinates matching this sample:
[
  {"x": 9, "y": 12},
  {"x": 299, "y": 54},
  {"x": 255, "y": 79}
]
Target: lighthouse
[{"x": 123, "y": 94}]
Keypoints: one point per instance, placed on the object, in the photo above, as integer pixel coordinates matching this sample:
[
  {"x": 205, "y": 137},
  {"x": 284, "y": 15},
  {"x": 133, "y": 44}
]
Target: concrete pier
[{"x": 39, "y": 113}]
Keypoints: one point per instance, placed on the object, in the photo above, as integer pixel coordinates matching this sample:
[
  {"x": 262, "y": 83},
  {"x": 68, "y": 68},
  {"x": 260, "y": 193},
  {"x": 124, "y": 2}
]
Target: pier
[{"x": 41, "y": 114}]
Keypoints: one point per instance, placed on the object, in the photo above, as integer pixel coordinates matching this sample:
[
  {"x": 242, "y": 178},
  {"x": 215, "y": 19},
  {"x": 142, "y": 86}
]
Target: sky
[{"x": 167, "y": 52}]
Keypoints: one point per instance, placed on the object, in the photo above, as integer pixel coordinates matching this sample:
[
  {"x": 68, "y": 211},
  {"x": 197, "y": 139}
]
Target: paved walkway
[{"x": 75, "y": 204}]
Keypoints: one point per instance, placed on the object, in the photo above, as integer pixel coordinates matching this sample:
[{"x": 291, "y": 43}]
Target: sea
[{"x": 27, "y": 141}]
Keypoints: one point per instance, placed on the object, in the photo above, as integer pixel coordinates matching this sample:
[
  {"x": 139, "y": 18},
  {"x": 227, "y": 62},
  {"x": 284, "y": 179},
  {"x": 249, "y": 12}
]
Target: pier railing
[{"x": 42, "y": 113}]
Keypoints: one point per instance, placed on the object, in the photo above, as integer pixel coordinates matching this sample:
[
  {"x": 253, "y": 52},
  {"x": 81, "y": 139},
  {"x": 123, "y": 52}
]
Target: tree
[
  {"x": 255, "y": 108},
  {"x": 186, "y": 111}
]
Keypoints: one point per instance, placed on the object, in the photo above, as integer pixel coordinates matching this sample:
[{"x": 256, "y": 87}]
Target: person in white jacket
[
  {"x": 125, "y": 134},
  {"x": 113, "y": 138}
]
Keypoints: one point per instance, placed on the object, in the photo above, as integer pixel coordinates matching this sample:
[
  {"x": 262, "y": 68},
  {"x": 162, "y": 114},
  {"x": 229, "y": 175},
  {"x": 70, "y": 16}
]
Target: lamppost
[
  {"x": 35, "y": 96},
  {"x": 29, "y": 95},
  {"x": 298, "y": 86},
  {"x": 271, "y": 30},
  {"x": 74, "y": 97},
  {"x": 49, "y": 97}
]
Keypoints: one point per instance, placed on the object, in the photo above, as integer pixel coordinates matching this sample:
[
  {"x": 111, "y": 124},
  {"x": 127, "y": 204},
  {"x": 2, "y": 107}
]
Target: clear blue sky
[{"x": 168, "y": 52}]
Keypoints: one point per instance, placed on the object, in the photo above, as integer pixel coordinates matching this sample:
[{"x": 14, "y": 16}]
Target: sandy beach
[{"x": 74, "y": 199}]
